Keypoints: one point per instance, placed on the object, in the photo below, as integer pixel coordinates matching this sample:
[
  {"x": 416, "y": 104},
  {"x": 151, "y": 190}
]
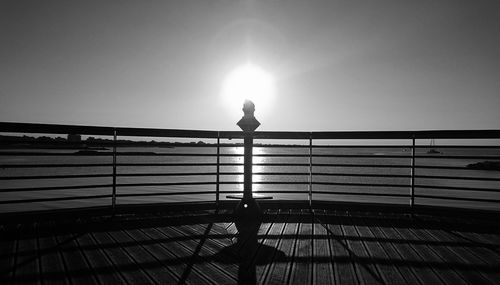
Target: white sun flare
[{"x": 250, "y": 82}]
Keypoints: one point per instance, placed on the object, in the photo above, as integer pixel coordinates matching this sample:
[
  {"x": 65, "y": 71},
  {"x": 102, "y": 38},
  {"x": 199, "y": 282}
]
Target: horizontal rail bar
[
  {"x": 361, "y": 194},
  {"x": 162, "y": 184},
  {"x": 377, "y": 146},
  {"x": 164, "y": 193},
  {"x": 55, "y": 199},
  {"x": 282, "y": 135},
  {"x": 458, "y": 134},
  {"x": 280, "y": 145},
  {"x": 457, "y": 178},
  {"x": 280, "y": 164},
  {"x": 398, "y": 146},
  {"x": 165, "y": 144},
  {"x": 363, "y": 155},
  {"x": 494, "y": 157},
  {"x": 55, "y": 188},
  {"x": 55, "y": 165},
  {"x": 281, "y": 182},
  {"x": 362, "y": 135},
  {"x": 168, "y": 174},
  {"x": 26, "y": 153},
  {"x": 175, "y": 133},
  {"x": 175, "y": 164},
  {"x": 282, "y": 173},
  {"x": 437, "y": 134},
  {"x": 269, "y": 192},
  {"x": 361, "y": 165},
  {"x": 443, "y": 167},
  {"x": 334, "y": 155},
  {"x": 361, "y": 184},
  {"x": 154, "y": 132},
  {"x": 267, "y": 183},
  {"x": 458, "y": 188},
  {"x": 459, "y": 146},
  {"x": 459, "y": 198},
  {"x": 174, "y": 154},
  {"x": 281, "y": 155},
  {"x": 26, "y": 177},
  {"x": 363, "y": 175}
]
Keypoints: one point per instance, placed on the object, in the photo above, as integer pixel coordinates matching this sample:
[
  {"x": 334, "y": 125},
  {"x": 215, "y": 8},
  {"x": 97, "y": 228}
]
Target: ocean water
[{"x": 293, "y": 180}]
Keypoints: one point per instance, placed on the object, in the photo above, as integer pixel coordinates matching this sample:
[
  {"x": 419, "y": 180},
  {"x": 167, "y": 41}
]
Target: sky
[{"x": 337, "y": 65}]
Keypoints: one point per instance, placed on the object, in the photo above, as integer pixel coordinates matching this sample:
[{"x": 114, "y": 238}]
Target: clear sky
[{"x": 337, "y": 65}]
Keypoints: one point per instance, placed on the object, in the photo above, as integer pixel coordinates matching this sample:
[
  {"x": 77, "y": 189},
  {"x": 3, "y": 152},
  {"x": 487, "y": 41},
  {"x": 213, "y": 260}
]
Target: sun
[{"x": 250, "y": 82}]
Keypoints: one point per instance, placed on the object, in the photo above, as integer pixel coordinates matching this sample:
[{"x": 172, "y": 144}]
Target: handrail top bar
[
  {"x": 54, "y": 129},
  {"x": 14, "y": 127},
  {"x": 155, "y": 132},
  {"x": 434, "y": 134}
]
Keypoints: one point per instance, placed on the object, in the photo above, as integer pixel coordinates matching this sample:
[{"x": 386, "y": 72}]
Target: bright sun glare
[{"x": 248, "y": 82}]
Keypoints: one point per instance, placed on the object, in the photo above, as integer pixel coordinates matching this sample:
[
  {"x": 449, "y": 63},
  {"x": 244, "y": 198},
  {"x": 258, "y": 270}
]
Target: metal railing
[{"x": 394, "y": 167}]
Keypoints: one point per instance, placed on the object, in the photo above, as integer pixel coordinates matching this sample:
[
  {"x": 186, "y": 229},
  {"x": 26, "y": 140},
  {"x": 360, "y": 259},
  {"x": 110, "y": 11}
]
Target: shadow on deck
[{"x": 287, "y": 247}]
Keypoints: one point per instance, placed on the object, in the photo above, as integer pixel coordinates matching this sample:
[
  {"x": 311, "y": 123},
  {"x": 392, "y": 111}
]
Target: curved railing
[{"x": 123, "y": 166}]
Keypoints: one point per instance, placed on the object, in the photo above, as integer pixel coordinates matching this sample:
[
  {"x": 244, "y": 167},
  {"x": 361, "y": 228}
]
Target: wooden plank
[
  {"x": 129, "y": 269},
  {"x": 165, "y": 249},
  {"x": 394, "y": 269},
  {"x": 214, "y": 251},
  {"x": 268, "y": 252},
  {"x": 142, "y": 258},
  {"x": 422, "y": 270},
  {"x": 383, "y": 262},
  {"x": 417, "y": 241},
  {"x": 279, "y": 272},
  {"x": 77, "y": 268},
  {"x": 160, "y": 255},
  {"x": 107, "y": 273},
  {"x": 51, "y": 263},
  {"x": 191, "y": 247},
  {"x": 487, "y": 255},
  {"x": 8, "y": 246},
  {"x": 362, "y": 259},
  {"x": 27, "y": 268},
  {"x": 392, "y": 253},
  {"x": 459, "y": 256},
  {"x": 323, "y": 272},
  {"x": 343, "y": 263},
  {"x": 302, "y": 256}
]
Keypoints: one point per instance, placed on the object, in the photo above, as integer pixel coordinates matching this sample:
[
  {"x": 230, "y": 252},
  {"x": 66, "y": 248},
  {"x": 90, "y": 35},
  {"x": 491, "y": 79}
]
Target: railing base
[{"x": 254, "y": 196}]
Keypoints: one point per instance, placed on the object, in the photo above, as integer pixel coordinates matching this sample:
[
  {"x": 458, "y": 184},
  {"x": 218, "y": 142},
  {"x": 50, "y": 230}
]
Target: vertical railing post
[
  {"x": 310, "y": 171},
  {"x": 412, "y": 182},
  {"x": 217, "y": 178},
  {"x": 113, "y": 195}
]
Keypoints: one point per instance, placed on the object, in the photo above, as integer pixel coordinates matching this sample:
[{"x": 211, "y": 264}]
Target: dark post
[
  {"x": 217, "y": 185},
  {"x": 248, "y": 124},
  {"x": 310, "y": 171},
  {"x": 113, "y": 194},
  {"x": 248, "y": 208},
  {"x": 247, "y": 168},
  {"x": 412, "y": 182}
]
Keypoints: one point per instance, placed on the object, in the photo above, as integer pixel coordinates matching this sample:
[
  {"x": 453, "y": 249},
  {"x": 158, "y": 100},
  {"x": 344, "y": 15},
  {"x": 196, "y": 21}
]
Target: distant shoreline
[{"x": 485, "y": 165}]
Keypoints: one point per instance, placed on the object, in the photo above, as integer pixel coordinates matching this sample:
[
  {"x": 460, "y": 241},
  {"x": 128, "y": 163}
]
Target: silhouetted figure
[{"x": 248, "y": 122}]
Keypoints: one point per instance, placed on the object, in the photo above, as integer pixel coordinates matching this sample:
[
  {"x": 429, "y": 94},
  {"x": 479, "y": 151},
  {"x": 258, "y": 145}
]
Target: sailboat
[{"x": 432, "y": 150}]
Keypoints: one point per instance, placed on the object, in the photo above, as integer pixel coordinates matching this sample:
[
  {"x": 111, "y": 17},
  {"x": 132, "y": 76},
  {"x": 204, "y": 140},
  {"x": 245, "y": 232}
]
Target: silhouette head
[{"x": 248, "y": 108}]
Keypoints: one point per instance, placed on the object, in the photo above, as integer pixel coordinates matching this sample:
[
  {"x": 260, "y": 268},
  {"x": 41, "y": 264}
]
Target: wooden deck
[{"x": 289, "y": 247}]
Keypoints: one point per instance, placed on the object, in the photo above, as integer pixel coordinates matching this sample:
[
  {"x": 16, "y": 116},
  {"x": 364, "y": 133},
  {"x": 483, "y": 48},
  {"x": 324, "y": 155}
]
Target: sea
[{"x": 336, "y": 179}]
